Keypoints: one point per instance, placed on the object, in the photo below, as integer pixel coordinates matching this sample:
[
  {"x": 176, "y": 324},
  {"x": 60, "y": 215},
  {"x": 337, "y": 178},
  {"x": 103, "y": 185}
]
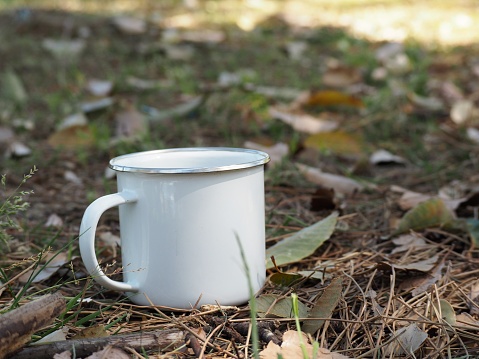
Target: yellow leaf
[
  {"x": 96, "y": 331},
  {"x": 332, "y": 98},
  {"x": 428, "y": 214},
  {"x": 338, "y": 142}
]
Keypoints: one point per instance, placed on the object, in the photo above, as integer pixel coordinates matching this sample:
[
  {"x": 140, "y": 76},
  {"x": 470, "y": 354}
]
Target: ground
[{"x": 313, "y": 84}]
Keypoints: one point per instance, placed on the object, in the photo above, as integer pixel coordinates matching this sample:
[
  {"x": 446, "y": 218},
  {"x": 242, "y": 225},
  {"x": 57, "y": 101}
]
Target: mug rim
[{"x": 262, "y": 160}]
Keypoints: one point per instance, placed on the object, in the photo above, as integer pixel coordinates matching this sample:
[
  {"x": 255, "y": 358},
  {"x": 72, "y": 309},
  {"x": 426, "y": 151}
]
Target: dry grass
[{"x": 379, "y": 295}]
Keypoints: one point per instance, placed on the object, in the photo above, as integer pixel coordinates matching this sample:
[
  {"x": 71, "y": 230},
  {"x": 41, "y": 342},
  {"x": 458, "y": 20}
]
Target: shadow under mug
[{"x": 182, "y": 213}]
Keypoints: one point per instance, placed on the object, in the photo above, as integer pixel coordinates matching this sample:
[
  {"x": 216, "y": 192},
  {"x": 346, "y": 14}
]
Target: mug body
[{"x": 181, "y": 239}]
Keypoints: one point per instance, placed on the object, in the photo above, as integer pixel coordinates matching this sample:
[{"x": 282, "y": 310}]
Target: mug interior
[{"x": 189, "y": 160}]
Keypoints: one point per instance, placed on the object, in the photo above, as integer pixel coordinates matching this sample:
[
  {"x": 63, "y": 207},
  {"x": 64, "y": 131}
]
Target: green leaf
[
  {"x": 269, "y": 305},
  {"x": 13, "y": 87},
  {"x": 302, "y": 243},
  {"x": 338, "y": 142},
  {"x": 472, "y": 226},
  {"x": 285, "y": 279},
  {"x": 447, "y": 312},
  {"x": 324, "y": 306},
  {"x": 180, "y": 110},
  {"x": 428, "y": 214}
]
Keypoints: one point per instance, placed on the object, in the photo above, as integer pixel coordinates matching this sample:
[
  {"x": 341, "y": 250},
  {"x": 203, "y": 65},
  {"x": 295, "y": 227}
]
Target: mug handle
[{"x": 87, "y": 238}]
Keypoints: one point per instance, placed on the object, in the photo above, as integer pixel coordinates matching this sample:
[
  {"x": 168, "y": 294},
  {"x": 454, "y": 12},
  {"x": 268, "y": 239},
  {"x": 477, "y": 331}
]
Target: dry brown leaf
[
  {"x": 399, "y": 64},
  {"x": 474, "y": 296},
  {"x": 463, "y": 111},
  {"x": 338, "y": 183},
  {"x": 10, "y": 146},
  {"x": 291, "y": 348},
  {"x": 109, "y": 353},
  {"x": 408, "y": 242},
  {"x": 56, "y": 336},
  {"x": 382, "y": 157},
  {"x": 18, "y": 149},
  {"x": 410, "y": 199},
  {"x": 324, "y": 306},
  {"x": 286, "y": 93},
  {"x": 187, "y": 20},
  {"x": 408, "y": 340},
  {"x": 111, "y": 241},
  {"x": 130, "y": 123},
  {"x": 427, "y": 267},
  {"x": 388, "y": 50},
  {"x": 206, "y": 36},
  {"x": 455, "y": 189},
  {"x": 240, "y": 76},
  {"x": 296, "y": 49},
  {"x": 302, "y": 122},
  {"x": 276, "y": 152},
  {"x": 450, "y": 91},
  {"x": 379, "y": 73},
  {"x": 393, "y": 58},
  {"x": 466, "y": 320},
  {"x": 44, "y": 273},
  {"x": 54, "y": 221},
  {"x": 72, "y": 177},
  {"x": 63, "y": 355},
  {"x": 143, "y": 84},
  {"x": 6, "y": 135},
  {"x": 179, "y": 52},
  {"x": 72, "y": 137},
  {"x": 422, "y": 266},
  {"x": 65, "y": 49},
  {"x": 323, "y": 199},
  {"x": 99, "y": 87},
  {"x": 339, "y": 77},
  {"x": 422, "y": 283},
  {"x": 473, "y": 134},
  {"x": 96, "y": 104},
  {"x": 426, "y": 103},
  {"x": 377, "y": 308},
  {"x": 130, "y": 25},
  {"x": 95, "y": 331}
]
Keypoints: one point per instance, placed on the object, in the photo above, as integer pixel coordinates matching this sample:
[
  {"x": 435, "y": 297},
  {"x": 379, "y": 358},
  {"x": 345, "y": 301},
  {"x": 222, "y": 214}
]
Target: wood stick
[
  {"x": 158, "y": 339},
  {"x": 18, "y": 325}
]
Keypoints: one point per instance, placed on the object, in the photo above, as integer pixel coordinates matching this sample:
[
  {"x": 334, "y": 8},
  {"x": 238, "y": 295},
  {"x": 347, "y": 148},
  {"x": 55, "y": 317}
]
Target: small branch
[
  {"x": 18, "y": 325},
  {"x": 158, "y": 339}
]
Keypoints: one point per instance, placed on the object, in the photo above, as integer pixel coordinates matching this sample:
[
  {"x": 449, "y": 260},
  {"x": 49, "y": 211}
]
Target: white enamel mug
[{"x": 181, "y": 213}]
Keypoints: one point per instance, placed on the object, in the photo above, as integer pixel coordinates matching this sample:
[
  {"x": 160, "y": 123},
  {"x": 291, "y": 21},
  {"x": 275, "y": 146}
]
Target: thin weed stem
[{"x": 252, "y": 302}]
